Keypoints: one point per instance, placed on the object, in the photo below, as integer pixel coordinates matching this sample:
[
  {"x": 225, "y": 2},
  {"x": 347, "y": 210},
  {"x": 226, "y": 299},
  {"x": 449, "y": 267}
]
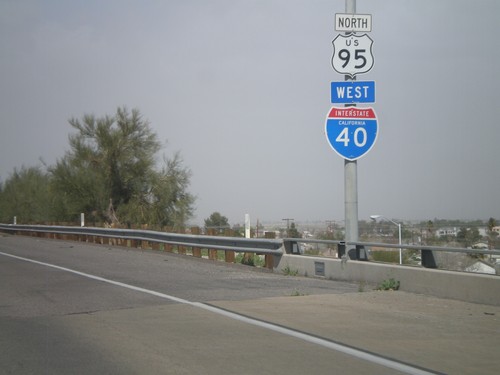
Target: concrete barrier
[
  {"x": 462, "y": 286},
  {"x": 476, "y": 288}
]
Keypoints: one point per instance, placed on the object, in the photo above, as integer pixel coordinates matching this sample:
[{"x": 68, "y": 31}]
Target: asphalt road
[{"x": 73, "y": 308}]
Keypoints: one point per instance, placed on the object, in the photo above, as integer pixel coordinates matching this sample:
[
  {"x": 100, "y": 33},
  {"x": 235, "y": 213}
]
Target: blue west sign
[
  {"x": 351, "y": 131},
  {"x": 348, "y": 92}
]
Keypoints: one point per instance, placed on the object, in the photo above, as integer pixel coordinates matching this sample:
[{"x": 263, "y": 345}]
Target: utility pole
[
  {"x": 287, "y": 225},
  {"x": 350, "y": 175},
  {"x": 329, "y": 225}
]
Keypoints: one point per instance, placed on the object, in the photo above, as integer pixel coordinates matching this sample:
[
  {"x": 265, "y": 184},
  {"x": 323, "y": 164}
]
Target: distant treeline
[{"x": 110, "y": 174}]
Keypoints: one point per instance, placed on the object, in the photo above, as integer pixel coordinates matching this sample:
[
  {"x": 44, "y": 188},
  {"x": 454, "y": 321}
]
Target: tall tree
[
  {"x": 109, "y": 173},
  {"x": 217, "y": 222},
  {"x": 468, "y": 236},
  {"x": 492, "y": 235},
  {"x": 292, "y": 232},
  {"x": 26, "y": 194}
]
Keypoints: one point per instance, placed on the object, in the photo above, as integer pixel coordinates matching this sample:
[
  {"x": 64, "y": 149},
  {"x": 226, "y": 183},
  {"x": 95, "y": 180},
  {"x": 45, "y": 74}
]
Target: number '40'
[{"x": 359, "y": 137}]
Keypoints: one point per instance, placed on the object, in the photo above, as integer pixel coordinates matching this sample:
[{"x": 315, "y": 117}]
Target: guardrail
[
  {"x": 270, "y": 248},
  {"x": 456, "y": 284},
  {"x": 152, "y": 239},
  {"x": 286, "y": 253},
  {"x": 358, "y": 250}
]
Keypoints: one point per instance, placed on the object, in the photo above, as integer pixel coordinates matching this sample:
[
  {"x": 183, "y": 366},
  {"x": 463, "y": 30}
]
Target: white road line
[
  {"x": 408, "y": 369},
  {"x": 373, "y": 358},
  {"x": 98, "y": 278}
]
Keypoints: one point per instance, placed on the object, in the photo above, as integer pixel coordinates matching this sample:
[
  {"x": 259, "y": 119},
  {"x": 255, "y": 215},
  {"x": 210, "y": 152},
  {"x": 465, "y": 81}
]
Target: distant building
[
  {"x": 480, "y": 245},
  {"x": 442, "y": 232}
]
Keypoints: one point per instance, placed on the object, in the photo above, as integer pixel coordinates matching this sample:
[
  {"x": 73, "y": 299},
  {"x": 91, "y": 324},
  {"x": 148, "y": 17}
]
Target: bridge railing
[
  {"x": 360, "y": 250},
  {"x": 269, "y": 248}
]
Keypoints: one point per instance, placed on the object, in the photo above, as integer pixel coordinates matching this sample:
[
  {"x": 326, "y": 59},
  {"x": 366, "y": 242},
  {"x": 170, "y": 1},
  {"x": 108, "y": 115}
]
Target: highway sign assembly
[
  {"x": 352, "y": 54},
  {"x": 351, "y": 131},
  {"x": 348, "y": 92}
]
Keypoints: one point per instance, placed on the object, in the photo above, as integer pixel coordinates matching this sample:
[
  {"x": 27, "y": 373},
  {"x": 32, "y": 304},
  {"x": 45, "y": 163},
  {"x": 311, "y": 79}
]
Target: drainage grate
[{"x": 319, "y": 268}]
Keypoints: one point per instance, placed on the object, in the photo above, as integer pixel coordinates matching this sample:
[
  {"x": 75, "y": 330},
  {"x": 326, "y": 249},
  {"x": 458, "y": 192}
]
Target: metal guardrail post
[
  {"x": 341, "y": 249},
  {"x": 291, "y": 247},
  {"x": 356, "y": 253},
  {"x": 352, "y": 254},
  {"x": 361, "y": 253},
  {"x": 428, "y": 260}
]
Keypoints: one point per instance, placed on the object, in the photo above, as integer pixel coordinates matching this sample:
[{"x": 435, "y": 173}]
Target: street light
[{"x": 375, "y": 217}]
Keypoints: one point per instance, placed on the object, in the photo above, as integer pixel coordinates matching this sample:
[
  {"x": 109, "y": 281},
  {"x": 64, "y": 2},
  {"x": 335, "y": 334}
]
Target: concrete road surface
[{"x": 73, "y": 308}]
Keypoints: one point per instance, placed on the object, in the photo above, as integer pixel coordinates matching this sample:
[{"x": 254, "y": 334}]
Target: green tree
[
  {"x": 26, "y": 194},
  {"x": 217, "y": 222},
  {"x": 492, "y": 235},
  {"x": 468, "y": 236},
  {"x": 165, "y": 201},
  {"x": 293, "y": 232},
  {"x": 109, "y": 174},
  {"x": 328, "y": 235},
  {"x": 430, "y": 231}
]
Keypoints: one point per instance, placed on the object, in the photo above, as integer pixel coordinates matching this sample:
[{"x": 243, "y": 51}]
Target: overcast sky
[{"x": 242, "y": 88}]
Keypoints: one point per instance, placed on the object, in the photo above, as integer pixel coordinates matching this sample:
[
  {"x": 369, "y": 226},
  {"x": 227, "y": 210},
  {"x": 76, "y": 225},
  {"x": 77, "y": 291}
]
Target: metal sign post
[
  {"x": 350, "y": 175},
  {"x": 352, "y": 131}
]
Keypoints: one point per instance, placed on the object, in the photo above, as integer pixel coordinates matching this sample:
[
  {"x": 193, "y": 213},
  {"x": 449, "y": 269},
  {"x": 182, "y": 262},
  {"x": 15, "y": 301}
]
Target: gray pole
[
  {"x": 351, "y": 201},
  {"x": 400, "y": 250},
  {"x": 350, "y": 176},
  {"x": 350, "y": 6}
]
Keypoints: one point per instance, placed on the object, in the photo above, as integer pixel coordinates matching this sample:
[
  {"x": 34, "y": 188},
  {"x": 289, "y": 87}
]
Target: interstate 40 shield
[{"x": 351, "y": 131}]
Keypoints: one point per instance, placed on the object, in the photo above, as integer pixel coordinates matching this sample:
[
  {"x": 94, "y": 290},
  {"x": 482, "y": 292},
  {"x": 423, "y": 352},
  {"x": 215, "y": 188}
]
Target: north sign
[
  {"x": 348, "y": 92},
  {"x": 352, "y": 54},
  {"x": 353, "y": 22},
  {"x": 351, "y": 131}
]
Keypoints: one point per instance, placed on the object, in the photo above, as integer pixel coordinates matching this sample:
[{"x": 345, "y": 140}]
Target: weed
[
  {"x": 253, "y": 260},
  {"x": 288, "y": 271},
  {"x": 389, "y": 284},
  {"x": 297, "y": 293},
  {"x": 361, "y": 286},
  {"x": 248, "y": 260}
]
